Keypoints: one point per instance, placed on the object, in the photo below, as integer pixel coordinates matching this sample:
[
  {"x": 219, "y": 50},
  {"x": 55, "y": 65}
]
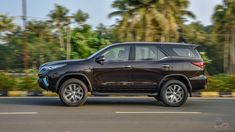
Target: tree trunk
[
  {"x": 232, "y": 52},
  {"x": 41, "y": 56},
  {"x": 68, "y": 47},
  {"x": 61, "y": 37},
  {"x": 147, "y": 35},
  {"x": 231, "y": 61},
  {"x": 162, "y": 38},
  {"x": 226, "y": 52},
  {"x": 25, "y": 52}
]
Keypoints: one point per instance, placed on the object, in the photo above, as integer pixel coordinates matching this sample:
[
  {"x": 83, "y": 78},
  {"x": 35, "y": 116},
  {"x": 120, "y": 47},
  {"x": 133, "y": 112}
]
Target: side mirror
[{"x": 100, "y": 59}]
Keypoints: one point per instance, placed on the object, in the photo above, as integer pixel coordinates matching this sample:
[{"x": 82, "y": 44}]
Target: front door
[{"x": 114, "y": 73}]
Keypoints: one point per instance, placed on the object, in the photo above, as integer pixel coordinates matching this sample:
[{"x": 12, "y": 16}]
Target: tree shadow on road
[
  {"x": 31, "y": 101},
  {"x": 90, "y": 101},
  {"x": 123, "y": 101}
]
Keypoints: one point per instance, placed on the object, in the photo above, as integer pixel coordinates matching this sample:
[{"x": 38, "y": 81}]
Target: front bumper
[{"x": 43, "y": 82}]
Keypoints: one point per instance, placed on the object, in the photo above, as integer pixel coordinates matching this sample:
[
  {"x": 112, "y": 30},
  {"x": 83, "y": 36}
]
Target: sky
[{"x": 97, "y": 9}]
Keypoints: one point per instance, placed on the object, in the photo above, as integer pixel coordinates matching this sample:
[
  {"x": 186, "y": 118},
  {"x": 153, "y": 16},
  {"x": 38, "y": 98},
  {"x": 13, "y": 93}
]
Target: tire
[
  {"x": 174, "y": 93},
  {"x": 73, "y": 92},
  {"x": 158, "y": 98}
]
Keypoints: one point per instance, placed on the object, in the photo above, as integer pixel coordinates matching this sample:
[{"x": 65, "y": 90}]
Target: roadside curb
[
  {"x": 50, "y": 94},
  {"x": 17, "y": 93},
  {"x": 233, "y": 94},
  {"x": 53, "y": 94},
  {"x": 210, "y": 94}
]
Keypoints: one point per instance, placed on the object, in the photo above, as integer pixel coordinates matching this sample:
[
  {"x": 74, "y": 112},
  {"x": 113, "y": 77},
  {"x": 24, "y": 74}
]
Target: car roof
[{"x": 158, "y": 43}]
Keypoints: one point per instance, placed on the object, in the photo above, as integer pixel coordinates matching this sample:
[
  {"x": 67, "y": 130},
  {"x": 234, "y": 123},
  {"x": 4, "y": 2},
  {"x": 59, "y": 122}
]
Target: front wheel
[
  {"x": 174, "y": 93},
  {"x": 73, "y": 92}
]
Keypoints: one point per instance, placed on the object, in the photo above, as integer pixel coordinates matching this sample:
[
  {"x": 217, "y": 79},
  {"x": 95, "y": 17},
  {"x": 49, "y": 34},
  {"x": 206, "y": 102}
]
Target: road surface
[{"x": 116, "y": 114}]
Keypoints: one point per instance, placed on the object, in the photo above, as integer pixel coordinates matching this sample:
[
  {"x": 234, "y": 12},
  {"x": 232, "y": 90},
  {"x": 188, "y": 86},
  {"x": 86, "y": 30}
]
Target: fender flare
[
  {"x": 76, "y": 74},
  {"x": 179, "y": 75}
]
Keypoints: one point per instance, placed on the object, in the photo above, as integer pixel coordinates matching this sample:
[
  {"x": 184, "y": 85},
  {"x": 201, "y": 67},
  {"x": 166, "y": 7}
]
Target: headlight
[{"x": 51, "y": 67}]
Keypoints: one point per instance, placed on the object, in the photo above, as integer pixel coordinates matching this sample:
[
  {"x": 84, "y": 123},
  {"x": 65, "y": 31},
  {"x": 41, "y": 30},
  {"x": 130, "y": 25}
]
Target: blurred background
[{"x": 36, "y": 32}]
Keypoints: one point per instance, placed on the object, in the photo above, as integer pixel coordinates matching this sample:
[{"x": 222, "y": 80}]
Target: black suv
[{"x": 168, "y": 72}]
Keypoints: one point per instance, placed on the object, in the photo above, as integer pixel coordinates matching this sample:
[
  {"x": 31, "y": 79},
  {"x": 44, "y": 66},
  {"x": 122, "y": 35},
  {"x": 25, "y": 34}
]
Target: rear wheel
[
  {"x": 73, "y": 92},
  {"x": 158, "y": 98},
  {"x": 174, "y": 93}
]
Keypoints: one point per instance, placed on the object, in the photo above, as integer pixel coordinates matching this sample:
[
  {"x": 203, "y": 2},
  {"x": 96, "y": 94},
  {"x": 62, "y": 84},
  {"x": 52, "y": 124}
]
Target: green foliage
[
  {"x": 205, "y": 58},
  {"x": 85, "y": 42},
  {"x": 224, "y": 25},
  {"x": 221, "y": 83},
  {"x": 212, "y": 50},
  {"x": 29, "y": 83},
  {"x": 80, "y": 16},
  {"x": 26, "y": 83},
  {"x": 7, "y": 82},
  {"x": 47, "y": 41},
  {"x": 6, "y": 23},
  {"x": 150, "y": 20},
  {"x": 139, "y": 20}
]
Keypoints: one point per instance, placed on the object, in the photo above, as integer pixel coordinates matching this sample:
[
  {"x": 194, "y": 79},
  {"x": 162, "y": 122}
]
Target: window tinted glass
[
  {"x": 117, "y": 53},
  {"x": 143, "y": 52},
  {"x": 184, "y": 52},
  {"x": 181, "y": 50}
]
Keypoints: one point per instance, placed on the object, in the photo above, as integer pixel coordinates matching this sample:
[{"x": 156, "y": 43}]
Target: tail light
[{"x": 199, "y": 64}]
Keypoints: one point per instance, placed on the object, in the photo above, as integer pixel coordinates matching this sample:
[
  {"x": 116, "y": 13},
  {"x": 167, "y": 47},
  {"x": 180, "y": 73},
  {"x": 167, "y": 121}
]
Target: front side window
[
  {"x": 117, "y": 53},
  {"x": 150, "y": 52}
]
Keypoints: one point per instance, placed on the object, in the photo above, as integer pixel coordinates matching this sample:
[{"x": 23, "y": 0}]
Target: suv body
[{"x": 166, "y": 71}]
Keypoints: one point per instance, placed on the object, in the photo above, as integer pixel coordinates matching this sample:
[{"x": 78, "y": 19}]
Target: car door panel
[
  {"x": 149, "y": 67},
  {"x": 112, "y": 75},
  {"x": 115, "y": 73},
  {"x": 147, "y": 74}
]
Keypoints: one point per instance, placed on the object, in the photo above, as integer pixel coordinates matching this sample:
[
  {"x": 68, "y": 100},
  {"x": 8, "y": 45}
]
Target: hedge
[
  {"x": 221, "y": 83},
  {"x": 218, "y": 83}
]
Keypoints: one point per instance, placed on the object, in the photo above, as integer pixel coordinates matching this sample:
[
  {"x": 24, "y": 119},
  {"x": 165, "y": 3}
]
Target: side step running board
[{"x": 124, "y": 94}]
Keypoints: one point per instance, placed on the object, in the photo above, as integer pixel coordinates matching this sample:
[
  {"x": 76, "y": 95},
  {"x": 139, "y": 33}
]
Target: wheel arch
[
  {"x": 79, "y": 76},
  {"x": 180, "y": 77}
]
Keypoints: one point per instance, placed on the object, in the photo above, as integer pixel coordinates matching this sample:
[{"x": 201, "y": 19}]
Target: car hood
[{"x": 63, "y": 62}]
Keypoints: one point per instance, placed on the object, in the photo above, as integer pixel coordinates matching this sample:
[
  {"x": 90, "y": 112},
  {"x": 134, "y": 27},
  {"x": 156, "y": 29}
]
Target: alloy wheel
[
  {"x": 174, "y": 93},
  {"x": 73, "y": 93}
]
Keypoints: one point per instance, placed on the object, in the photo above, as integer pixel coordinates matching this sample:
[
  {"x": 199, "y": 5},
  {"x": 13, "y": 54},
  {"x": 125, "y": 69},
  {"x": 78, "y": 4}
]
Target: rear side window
[
  {"x": 181, "y": 50},
  {"x": 184, "y": 52},
  {"x": 148, "y": 52}
]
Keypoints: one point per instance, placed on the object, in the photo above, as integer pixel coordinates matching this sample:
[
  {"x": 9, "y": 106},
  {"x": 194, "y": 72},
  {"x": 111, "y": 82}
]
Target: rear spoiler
[{"x": 195, "y": 46}]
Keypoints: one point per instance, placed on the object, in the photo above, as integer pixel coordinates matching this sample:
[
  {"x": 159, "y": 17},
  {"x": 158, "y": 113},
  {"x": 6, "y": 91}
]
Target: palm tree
[
  {"x": 150, "y": 20},
  {"x": 59, "y": 18},
  {"x": 80, "y": 17},
  {"x": 224, "y": 24},
  {"x": 42, "y": 31},
  {"x": 6, "y": 23}
]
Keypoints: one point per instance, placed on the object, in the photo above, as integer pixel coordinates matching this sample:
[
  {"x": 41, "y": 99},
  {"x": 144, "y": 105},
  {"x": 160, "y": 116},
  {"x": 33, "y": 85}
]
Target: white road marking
[
  {"x": 155, "y": 112},
  {"x": 18, "y": 113}
]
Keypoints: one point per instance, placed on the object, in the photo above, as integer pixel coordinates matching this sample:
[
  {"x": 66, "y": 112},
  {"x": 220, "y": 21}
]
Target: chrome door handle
[
  {"x": 165, "y": 66},
  {"x": 127, "y": 66}
]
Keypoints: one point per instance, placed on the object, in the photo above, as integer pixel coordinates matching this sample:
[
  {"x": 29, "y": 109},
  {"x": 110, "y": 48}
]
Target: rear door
[{"x": 149, "y": 66}]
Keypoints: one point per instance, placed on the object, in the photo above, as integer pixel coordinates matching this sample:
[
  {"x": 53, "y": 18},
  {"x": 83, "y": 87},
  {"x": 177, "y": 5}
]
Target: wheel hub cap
[
  {"x": 174, "y": 93},
  {"x": 73, "y": 93}
]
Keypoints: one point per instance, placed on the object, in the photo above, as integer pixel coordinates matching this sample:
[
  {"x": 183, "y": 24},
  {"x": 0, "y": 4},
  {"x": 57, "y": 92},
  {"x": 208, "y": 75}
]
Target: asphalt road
[{"x": 116, "y": 115}]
